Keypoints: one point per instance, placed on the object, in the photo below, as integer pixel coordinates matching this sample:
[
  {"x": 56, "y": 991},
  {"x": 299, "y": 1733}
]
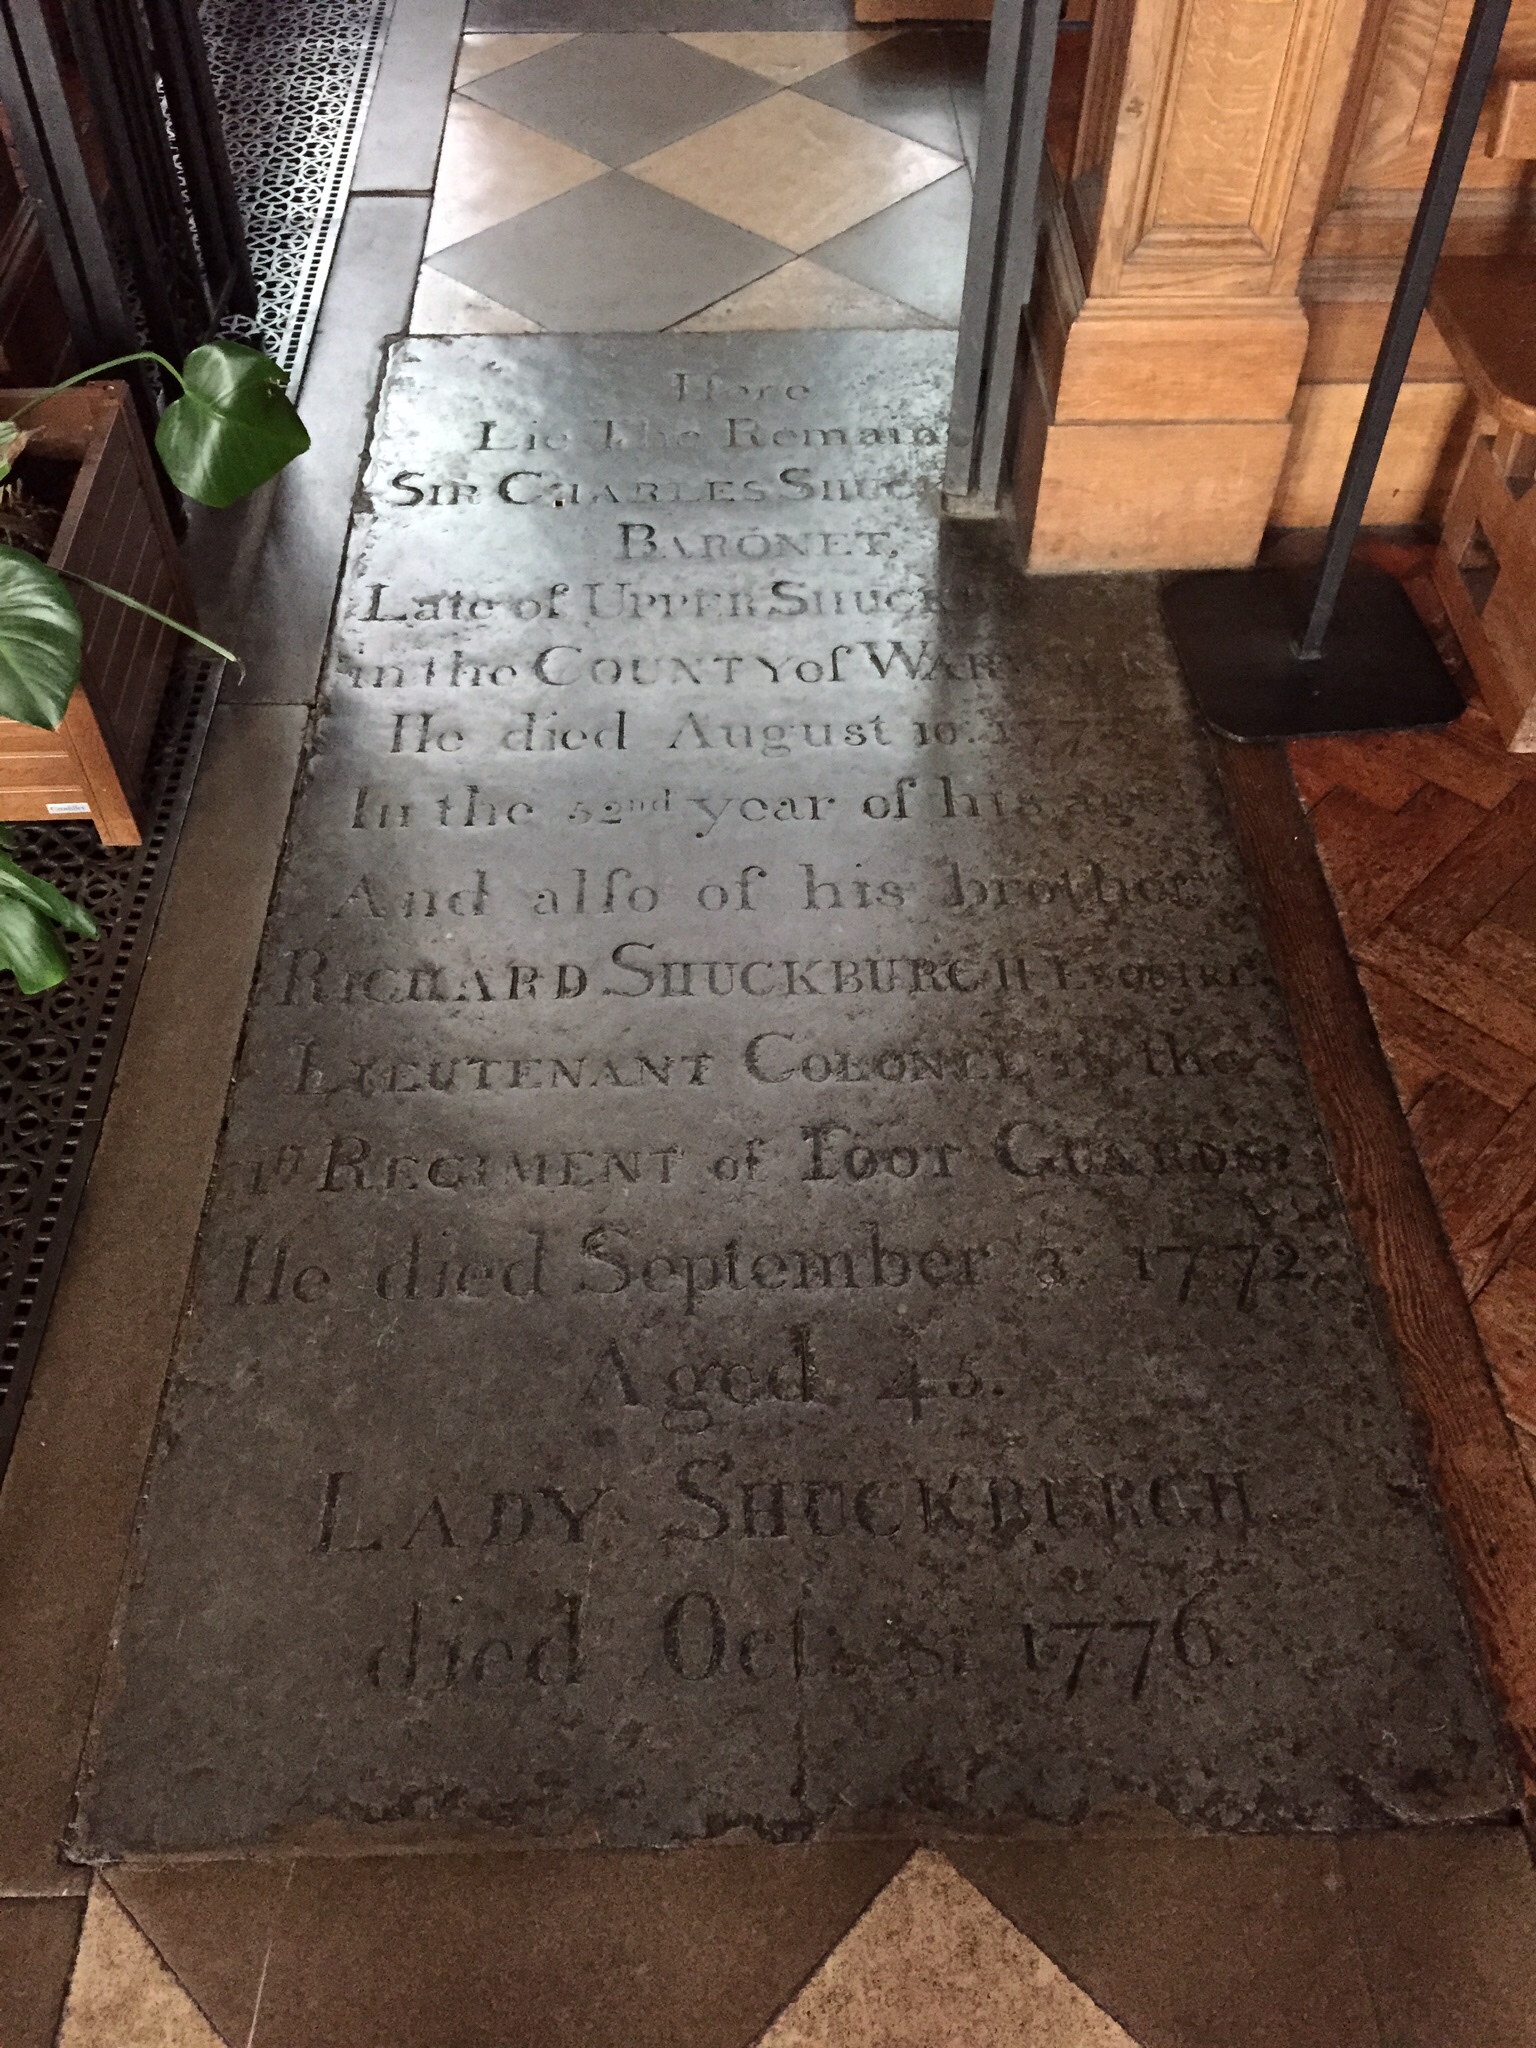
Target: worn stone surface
[{"x": 773, "y": 1265}]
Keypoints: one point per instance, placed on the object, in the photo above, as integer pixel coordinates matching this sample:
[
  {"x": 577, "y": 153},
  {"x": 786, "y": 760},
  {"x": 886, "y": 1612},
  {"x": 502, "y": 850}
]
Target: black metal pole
[
  {"x": 1468, "y": 91},
  {"x": 177, "y": 39}
]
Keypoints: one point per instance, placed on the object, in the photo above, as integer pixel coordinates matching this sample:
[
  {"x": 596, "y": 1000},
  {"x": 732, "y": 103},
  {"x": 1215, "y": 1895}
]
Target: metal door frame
[
  {"x": 59, "y": 185},
  {"x": 160, "y": 256},
  {"x": 1000, "y": 256}
]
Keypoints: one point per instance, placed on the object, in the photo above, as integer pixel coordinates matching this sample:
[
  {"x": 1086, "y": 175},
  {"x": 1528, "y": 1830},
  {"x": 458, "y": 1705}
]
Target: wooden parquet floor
[{"x": 1429, "y": 844}]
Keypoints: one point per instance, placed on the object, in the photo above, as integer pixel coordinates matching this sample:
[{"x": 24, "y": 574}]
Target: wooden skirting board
[
  {"x": 1488, "y": 1506},
  {"x": 922, "y": 10}
]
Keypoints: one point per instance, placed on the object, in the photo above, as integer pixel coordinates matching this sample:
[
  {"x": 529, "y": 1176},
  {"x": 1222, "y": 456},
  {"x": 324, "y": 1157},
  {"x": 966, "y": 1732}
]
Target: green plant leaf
[
  {"x": 29, "y": 947},
  {"x": 17, "y": 885},
  {"x": 39, "y": 641},
  {"x": 30, "y": 908},
  {"x": 12, "y": 440},
  {"x": 233, "y": 429}
]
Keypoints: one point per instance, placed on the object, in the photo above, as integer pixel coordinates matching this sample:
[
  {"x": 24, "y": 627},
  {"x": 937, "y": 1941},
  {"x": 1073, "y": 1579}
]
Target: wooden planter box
[{"x": 114, "y": 529}]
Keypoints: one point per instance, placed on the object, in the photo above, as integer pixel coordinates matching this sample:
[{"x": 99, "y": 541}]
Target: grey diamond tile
[
  {"x": 913, "y": 251},
  {"x": 908, "y": 85},
  {"x": 620, "y": 97},
  {"x": 611, "y": 257}
]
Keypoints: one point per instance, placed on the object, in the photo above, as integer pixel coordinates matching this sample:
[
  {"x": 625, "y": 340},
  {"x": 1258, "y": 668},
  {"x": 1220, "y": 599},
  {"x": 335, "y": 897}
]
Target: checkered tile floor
[{"x": 631, "y": 183}]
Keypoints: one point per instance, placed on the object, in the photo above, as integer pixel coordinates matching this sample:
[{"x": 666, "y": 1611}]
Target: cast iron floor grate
[
  {"x": 292, "y": 78},
  {"x": 59, "y": 1051}
]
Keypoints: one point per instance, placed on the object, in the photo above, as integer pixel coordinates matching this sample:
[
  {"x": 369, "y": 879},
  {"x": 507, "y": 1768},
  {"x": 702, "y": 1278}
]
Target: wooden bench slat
[{"x": 1485, "y": 308}]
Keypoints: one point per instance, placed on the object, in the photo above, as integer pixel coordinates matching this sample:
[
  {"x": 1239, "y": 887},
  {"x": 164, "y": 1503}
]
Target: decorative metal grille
[
  {"x": 59, "y": 1051},
  {"x": 292, "y": 78},
  {"x": 173, "y": 212}
]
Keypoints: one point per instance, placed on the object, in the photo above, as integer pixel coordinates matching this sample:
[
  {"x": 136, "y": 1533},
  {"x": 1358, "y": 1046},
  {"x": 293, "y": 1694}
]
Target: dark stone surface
[{"x": 772, "y": 1264}]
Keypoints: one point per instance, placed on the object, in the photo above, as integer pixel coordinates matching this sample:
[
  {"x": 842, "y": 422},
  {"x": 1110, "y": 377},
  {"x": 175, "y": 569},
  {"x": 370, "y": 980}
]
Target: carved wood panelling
[
  {"x": 1222, "y": 119},
  {"x": 1402, "y": 77},
  {"x": 1393, "y": 109},
  {"x": 1226, "y": 79},
  {"x": 1098, "y": 120},
  {"x": 1410, "y": 80}
]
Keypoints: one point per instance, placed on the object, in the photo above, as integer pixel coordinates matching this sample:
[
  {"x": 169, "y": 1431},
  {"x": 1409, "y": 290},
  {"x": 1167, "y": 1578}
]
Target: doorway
[{"x": 825, "y": 173}]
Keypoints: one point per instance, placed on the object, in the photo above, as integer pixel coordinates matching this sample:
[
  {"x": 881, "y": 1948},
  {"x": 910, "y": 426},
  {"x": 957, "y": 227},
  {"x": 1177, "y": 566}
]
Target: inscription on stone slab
[{"x": 772, "y": 1265}]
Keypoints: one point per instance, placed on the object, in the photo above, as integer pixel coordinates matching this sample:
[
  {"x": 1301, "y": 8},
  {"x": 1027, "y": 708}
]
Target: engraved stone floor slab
[{"x": 772, "y": 1265}]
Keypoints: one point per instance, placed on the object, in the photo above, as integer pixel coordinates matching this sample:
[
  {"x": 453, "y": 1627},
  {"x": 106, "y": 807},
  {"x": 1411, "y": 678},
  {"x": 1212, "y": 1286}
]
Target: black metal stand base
[{"x": 1235, "y": 633}]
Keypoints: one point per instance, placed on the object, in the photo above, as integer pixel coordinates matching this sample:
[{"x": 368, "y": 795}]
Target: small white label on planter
[{"x": 69, "y": 810}]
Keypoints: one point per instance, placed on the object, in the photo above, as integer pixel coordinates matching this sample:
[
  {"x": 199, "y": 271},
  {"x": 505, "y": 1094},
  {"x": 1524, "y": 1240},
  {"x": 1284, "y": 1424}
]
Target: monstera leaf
[
  {"x": 234, "y": 427},
  {"x": 39, "y": 641},
  {"x": 30, "y": 909},
  {"x": 12, "y": 440},
  {"x": 230, "y": 431}
]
